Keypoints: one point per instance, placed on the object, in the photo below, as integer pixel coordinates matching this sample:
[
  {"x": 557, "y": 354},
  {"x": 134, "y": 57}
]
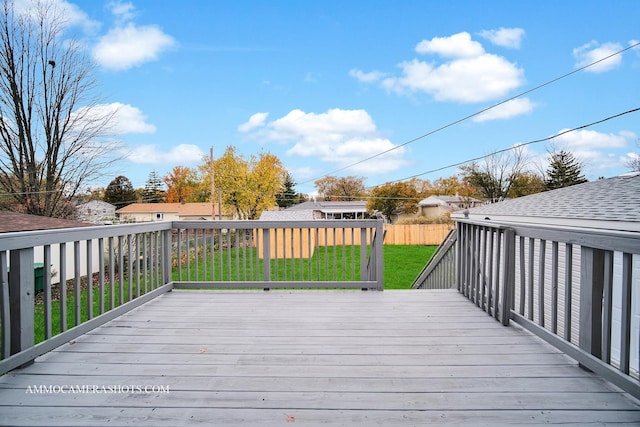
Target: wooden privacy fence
[
  {"x": 416, "y": 234},
  {"x": 303, "y": 242}
]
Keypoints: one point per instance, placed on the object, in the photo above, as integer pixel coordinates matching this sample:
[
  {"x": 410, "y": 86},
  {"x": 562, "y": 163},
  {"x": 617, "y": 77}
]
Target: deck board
[{"x": 311, "y": 358}]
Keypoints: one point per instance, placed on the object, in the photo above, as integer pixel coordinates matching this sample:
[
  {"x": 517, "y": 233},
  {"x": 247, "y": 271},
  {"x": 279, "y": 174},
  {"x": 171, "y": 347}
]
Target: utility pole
[{"x": 213, "y": 185}]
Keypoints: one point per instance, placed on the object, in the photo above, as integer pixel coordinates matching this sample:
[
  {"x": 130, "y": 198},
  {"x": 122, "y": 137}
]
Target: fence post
[
  {"x": 21, "y": 299},
  {"x": 508, "y": 275},
  {"x": 591, "y": 292}
]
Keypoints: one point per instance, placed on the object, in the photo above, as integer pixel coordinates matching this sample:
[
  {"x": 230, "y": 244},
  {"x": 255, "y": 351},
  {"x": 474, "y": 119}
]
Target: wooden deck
[{"x": 390, "y": 358}]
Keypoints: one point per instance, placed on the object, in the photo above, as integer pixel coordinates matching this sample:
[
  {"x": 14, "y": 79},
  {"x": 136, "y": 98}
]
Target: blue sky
[{"x": 325, "y": 84}]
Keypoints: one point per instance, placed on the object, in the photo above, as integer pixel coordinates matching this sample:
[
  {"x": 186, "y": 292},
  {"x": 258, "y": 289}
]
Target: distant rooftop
[
  {"x": 287, "y": 215},
  {"x": 325, "y": 206}
]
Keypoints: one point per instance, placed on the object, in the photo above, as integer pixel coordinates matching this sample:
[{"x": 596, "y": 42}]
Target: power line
[
  {"x": 540, "y": 86},
  {"x": 634, "y": 110}
]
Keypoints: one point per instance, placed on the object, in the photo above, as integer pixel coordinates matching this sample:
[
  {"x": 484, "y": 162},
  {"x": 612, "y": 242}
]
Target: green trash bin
[{"x": 38, "y": 274}]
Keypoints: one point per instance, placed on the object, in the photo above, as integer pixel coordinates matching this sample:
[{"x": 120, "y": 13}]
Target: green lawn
[{"x": 402, "y": 264}]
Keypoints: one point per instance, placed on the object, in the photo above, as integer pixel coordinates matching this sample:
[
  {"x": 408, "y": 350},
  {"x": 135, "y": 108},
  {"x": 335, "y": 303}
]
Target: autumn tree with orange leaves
[{"x": 184, "y": 185}]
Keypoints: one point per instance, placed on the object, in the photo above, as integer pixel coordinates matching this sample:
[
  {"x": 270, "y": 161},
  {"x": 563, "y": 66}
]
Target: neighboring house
[
  {"x": 150, "y": 212},
  {"x": 17, "y": 222},
  {"x": 437, "y": 206},
  {"x": 610, "y": 205},
  {"x": 97, "y": 212},
  {"x": 333, "y": 210}
]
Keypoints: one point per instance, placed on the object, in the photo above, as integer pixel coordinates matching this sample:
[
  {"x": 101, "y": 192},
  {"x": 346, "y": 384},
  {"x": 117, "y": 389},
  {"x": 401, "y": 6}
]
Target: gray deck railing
[
  {"x": 95, "y": 274},
  {"x": 440, "y": 271},
  {"x": 267, "y": 254},
  {"x": 572, "y": 287}
]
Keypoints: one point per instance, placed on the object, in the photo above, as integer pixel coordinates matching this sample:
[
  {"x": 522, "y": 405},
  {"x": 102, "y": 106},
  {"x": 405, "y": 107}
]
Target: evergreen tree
[
  {"x": 120, "y": 192},
  {"x": 564, "y": 170},
  {"x": 287, "y": 195},
  {"x": 154, "y": 189}
]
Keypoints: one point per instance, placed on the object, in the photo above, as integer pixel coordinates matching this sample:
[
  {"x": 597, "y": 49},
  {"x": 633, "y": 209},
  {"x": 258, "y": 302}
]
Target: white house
[
  {"x": 96, "y": 212},
  {"x": 333, "y": 210}
]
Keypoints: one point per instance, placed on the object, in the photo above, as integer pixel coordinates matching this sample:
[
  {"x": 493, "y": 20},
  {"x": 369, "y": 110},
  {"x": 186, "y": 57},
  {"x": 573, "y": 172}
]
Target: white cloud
[
  {"x": 73, "y": 15},
  {"x": 505, "y": 37},
  {"x": 125, "y": 118},
  {"x": 150, "y": 154},
  {"x": 594, "y": 51},
  {"x": 304, "y": 172},
  {"x": 370, "y": 77},
  {"x": 586, "y": 139},
  {"x": 128, "y": 45},
  {"x": 468, "y": 74},
  {"x": 513, "y": 108},
  {"x": 255, "y": 121},
  {"x": 123, "y": 12},
  {"x": 456, "y": 46},
  {"x": 129, "y": 119},
  {"x": 597, "y": 150},
  {"x": 340, "y": 137},
  {"x": 466, "y": 80}
]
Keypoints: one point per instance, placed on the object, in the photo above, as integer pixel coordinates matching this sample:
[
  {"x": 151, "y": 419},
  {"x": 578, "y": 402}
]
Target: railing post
[
  {"x": 166, "y": 257},
  {"x": 379, "y": 255},
  {"x": 5, "y": 341},
  {"x": 591, "y": 292},
  {"x": 21, "y": 299},
  {"x": 508, "y": 275},
  {"x": 458, "y": 264},
  {"x": 266, "y": 252}
]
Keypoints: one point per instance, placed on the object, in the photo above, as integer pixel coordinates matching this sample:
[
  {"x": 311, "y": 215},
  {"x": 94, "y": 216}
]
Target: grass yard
[{"x": 402, "y": 264}]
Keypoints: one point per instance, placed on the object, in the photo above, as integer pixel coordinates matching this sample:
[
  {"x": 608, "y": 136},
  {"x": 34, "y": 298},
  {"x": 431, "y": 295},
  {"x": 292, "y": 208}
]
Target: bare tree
[
  {"x": 634, "y": 162},
  {"x": 53, "y": 131},
  {"x": 345, "y": 189},
  {"x": 495, "y": 177}
]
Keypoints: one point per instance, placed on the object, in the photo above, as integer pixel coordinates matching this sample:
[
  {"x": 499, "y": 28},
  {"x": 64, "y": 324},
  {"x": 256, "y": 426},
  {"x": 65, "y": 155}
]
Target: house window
[{"x": 159, "y": 216}]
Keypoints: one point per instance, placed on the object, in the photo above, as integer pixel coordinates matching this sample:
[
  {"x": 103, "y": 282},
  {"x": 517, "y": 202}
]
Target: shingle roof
[
  {"x": 433, "y": 200},
  {"x": 177, "y": 208},
  {"x": 607, "y": 203},
  {"x": 287, "y": 215},
  {"x": 323, "y": 205},
  {"x": 13, "y": 221}
]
